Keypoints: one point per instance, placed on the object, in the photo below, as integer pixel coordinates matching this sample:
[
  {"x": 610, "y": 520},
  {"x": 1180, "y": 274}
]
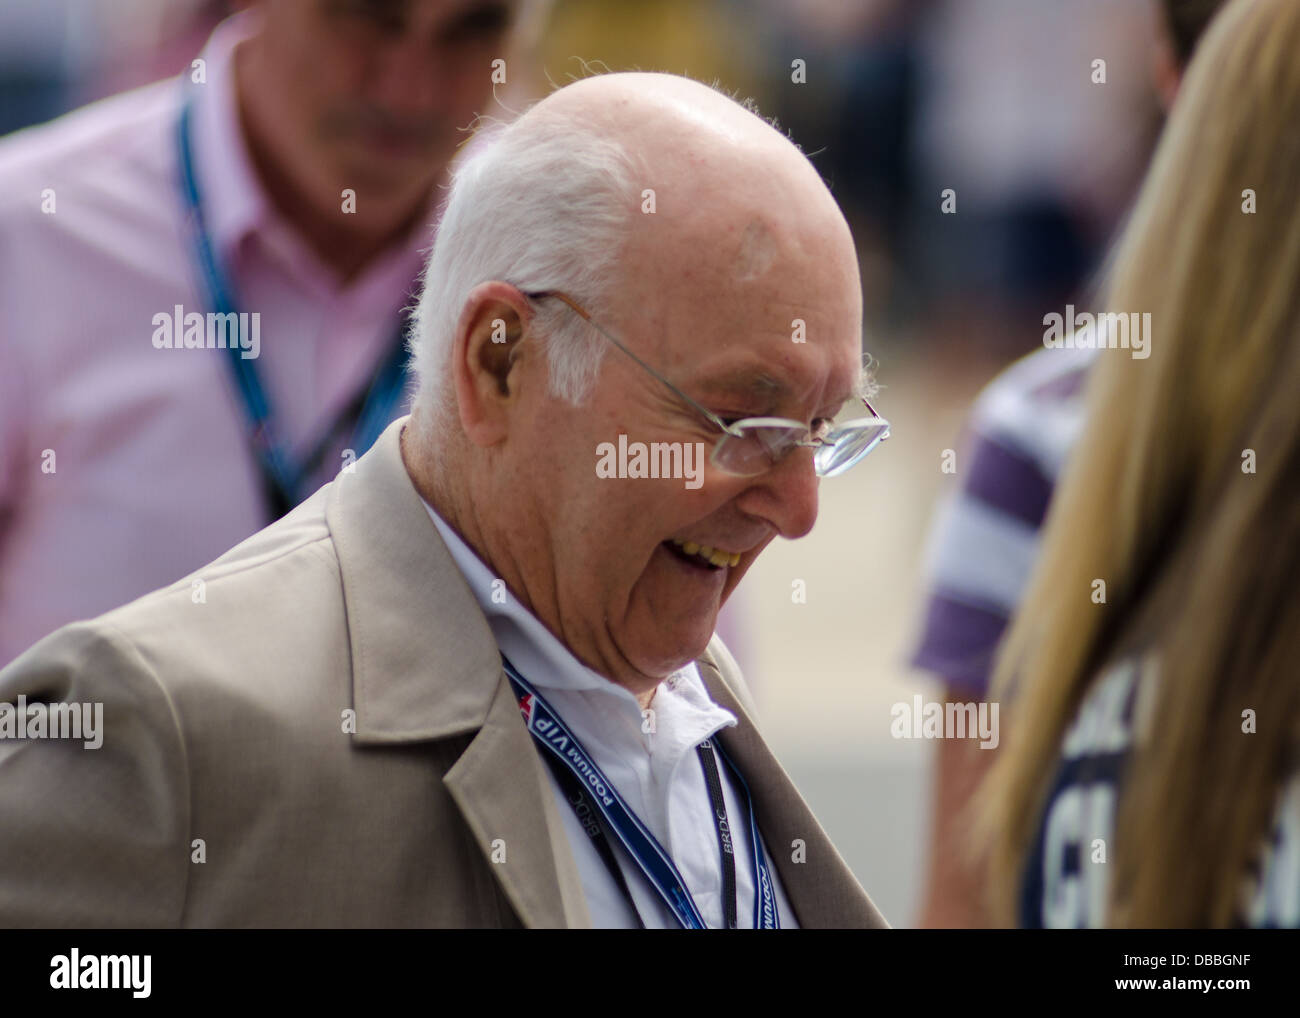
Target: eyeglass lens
[{"x": 762, "y": 446}]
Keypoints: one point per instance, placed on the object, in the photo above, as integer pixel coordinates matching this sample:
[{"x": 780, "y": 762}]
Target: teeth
[{"x": 715, "y": 556}]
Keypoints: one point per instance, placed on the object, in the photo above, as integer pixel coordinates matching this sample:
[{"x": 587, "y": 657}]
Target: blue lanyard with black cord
[
  {"x": 602, "y": 811},
  {"x": 369, "y": 411}
]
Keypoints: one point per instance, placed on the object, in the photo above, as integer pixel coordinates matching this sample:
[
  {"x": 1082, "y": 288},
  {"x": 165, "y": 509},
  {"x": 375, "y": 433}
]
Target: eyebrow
[
  {"x": 747, "y": 382},
  {"x": 761, "y": 385}
]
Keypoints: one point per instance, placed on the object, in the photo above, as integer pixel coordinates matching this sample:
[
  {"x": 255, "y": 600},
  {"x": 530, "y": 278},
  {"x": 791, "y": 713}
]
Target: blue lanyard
[
  {"x": 555, "y": 739},
  {"x": 372, "y": 408}
]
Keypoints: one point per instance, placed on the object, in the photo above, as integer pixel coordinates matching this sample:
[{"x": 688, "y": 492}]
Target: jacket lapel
[
  {"x": 505, "y": 797},
  {"x": 426, "y": 667}
]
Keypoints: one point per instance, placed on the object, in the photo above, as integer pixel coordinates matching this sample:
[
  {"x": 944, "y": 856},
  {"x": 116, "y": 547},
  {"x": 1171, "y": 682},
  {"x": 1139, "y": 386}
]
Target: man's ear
[{"x": 487, "y": 359}]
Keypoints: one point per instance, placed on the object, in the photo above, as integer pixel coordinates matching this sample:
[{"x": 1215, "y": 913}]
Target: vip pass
[{"x": 554, "y": 737}]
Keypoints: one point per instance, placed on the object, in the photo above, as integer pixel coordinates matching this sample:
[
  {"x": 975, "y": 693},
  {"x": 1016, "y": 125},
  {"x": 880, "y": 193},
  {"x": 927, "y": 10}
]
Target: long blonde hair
[{"x": 1200, "y": 558}]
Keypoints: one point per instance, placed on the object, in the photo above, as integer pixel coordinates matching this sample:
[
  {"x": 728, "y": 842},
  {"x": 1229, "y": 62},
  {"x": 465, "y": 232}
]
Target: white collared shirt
[{"x": 658, "y": 773}]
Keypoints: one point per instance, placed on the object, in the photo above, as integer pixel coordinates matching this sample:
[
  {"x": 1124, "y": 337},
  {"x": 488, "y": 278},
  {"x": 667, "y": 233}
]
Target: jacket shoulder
[{"x": 95, "y": 809}]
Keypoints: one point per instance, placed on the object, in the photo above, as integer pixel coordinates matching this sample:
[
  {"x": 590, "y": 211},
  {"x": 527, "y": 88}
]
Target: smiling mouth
[{"x": 702, "y": 556}]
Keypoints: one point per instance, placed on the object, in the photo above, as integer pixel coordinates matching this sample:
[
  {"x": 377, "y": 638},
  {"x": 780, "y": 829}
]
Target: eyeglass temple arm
[
  {"x": 717, "y": 421},
  {"x": 714, "y": 418},
  {"x": 872, "y": 410}
]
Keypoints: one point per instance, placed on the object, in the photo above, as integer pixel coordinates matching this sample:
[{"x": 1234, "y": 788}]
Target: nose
[{"x": 785, "y": 495}]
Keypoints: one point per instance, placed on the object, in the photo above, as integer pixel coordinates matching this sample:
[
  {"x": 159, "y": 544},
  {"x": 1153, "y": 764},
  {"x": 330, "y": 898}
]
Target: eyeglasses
[{"x": 752, "y": 445}]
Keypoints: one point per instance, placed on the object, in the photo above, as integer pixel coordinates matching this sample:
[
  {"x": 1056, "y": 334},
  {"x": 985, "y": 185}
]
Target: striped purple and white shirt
[{"x": 984, "y": 541}]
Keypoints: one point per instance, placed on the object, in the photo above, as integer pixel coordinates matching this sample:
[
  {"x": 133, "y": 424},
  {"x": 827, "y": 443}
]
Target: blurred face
[
  {"x": 604, "y": 557},
  {"x": 371, "y": 93}
]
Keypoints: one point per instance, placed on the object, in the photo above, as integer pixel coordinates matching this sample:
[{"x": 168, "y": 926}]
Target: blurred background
[{"x": 894, "y": 101}]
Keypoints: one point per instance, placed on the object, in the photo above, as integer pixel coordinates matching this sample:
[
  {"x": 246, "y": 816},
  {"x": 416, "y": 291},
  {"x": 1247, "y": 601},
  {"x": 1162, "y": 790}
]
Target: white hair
[{"x": 541, "y": 204}]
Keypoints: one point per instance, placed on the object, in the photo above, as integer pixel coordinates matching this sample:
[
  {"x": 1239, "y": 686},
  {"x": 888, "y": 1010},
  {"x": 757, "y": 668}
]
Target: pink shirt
[{"x": 123, "y": 467}]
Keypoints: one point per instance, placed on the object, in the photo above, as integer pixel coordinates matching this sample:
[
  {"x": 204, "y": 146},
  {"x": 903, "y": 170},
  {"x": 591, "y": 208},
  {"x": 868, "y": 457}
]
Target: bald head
[{"x": 730, "y": 191}]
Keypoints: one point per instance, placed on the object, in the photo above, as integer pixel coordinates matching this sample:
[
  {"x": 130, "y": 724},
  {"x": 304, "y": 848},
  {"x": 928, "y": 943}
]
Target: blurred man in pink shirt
[{"x": 203, "y": 284}]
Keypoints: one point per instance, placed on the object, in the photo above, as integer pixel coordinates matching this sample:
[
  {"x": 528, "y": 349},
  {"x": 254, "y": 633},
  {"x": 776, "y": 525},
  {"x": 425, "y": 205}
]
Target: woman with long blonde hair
[{"x": 1154, "y": 670}]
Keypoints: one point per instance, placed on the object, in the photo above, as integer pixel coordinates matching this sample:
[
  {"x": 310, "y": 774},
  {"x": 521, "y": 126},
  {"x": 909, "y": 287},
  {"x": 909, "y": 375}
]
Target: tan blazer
[{"x": 315, "y": 730}]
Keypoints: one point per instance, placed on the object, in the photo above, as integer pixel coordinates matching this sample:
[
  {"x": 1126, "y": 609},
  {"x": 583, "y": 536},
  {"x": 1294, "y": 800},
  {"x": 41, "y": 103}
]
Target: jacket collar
[{"x": 424, "y": 663}]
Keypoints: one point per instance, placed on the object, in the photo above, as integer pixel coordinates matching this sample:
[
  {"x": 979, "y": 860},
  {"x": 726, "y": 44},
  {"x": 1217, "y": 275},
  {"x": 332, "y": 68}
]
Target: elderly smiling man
[{"x": 473, "y": 681}]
